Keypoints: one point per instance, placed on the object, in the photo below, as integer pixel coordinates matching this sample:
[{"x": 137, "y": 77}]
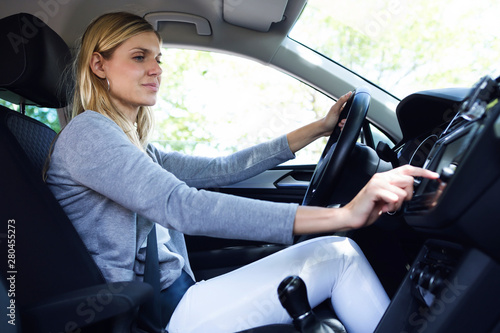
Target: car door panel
[{"x": 213, "y": 256}]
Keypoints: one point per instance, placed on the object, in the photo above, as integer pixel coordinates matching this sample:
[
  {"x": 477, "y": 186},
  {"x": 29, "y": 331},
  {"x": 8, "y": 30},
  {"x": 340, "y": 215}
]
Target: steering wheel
[{"x": 334, "y": 156}]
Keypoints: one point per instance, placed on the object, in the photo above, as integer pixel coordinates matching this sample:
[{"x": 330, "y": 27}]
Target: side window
[
  {"x": 47, "y": 116},
  {"x": 212, "y": 104},
  {"x": 379, "y": 136}
]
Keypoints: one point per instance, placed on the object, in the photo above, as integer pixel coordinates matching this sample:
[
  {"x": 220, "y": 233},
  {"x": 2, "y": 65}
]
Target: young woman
[{"x": 115, "y": 188}]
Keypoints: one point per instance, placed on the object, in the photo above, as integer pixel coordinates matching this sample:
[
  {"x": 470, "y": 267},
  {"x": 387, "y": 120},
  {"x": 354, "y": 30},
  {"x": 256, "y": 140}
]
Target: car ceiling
[{"x": 69, "y": 18}]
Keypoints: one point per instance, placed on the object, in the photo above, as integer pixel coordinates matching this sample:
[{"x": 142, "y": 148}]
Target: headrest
[{"x": 32, "y": 62}]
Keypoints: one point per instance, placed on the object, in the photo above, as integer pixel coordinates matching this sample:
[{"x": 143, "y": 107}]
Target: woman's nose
[{"x": 155, "y": 68}]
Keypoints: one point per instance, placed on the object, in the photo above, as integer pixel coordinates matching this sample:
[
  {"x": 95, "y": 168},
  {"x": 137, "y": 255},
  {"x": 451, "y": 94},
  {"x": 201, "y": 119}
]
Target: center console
[
  {"x": 455, "y": 145},
  {"x": 449, "y": 288},
  {"x": 462, "y": 205},
  {"x": 453, "y": 285}
]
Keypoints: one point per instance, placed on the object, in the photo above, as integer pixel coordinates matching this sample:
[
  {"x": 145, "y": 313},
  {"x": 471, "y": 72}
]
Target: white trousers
[{"x": 332, "y": 267}]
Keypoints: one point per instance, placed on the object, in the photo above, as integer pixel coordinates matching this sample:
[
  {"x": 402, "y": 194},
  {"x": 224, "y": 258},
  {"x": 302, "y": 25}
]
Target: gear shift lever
[{"x": 292, "y": 293}]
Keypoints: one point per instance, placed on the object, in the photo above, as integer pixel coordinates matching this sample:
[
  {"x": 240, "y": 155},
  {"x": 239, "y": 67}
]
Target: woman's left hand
[
  {"x": 303, "y": 136},
  {"x": 332, "y": 118}
]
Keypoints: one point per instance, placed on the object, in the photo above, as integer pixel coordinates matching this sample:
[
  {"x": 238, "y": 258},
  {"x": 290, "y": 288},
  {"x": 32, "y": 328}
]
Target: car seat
[{"x": 52, "y": 279}]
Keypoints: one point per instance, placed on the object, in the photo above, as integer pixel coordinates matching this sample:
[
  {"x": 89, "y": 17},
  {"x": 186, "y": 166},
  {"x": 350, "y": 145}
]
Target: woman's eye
[
  {"x": 159, "y": 61},
  {"x": 139, "y": 58}
]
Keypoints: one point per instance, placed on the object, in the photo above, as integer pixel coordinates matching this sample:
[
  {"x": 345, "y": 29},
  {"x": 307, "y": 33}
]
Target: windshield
[{"x": 406, "y": 46}]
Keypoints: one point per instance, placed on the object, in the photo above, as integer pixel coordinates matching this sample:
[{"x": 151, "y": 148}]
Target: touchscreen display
[{"x": 446, "y": 154}]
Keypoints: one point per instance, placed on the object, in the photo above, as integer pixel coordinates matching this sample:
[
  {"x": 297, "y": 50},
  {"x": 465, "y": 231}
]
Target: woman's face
[{"x": 134, "y": 73}]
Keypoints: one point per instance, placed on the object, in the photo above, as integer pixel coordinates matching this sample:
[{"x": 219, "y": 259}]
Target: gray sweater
[{"x": 113, "y": 193}]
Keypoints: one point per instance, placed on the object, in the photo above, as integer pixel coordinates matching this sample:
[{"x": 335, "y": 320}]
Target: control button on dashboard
[
  {"x": 447, "y": 173},
  {"x": 425, "y": 277},
  {"x": 415, "y": 272},
  {"x": 436, "y": 282}
]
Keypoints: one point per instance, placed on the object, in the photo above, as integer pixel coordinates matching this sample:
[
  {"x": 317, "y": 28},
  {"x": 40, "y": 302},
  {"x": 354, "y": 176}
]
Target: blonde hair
[{"x": 104, "y": 35}]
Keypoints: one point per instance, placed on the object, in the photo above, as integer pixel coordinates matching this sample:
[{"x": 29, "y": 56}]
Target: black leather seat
[{"x": 53, "y": 281}]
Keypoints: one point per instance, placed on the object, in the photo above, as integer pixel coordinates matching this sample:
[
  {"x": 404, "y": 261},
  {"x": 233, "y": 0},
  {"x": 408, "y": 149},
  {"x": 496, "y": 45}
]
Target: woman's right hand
[{"x": 385, "y": 192}]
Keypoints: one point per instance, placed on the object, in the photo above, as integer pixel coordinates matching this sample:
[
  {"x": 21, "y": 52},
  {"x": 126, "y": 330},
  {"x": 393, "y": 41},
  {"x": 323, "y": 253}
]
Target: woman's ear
[{"x": 96, "y": 65}]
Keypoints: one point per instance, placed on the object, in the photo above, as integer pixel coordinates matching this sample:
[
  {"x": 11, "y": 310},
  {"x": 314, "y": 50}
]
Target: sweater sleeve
[
  {"x": 202, "y": 172},
  {"x": 98, "y": 155}
]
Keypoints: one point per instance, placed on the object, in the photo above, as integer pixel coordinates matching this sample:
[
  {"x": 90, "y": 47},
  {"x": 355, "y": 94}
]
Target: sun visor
[{"x": 254, "y": 14}]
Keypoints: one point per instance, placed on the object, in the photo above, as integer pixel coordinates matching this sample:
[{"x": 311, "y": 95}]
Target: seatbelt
[
  {"x": 150, "y": 312},
  {"x": 155, "y": 314},
  {"x": 171, "y": 296}
]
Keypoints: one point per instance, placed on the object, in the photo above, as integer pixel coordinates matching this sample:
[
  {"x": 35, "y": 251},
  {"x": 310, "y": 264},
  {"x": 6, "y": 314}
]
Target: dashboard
[{"x": 455, "y": 132}]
